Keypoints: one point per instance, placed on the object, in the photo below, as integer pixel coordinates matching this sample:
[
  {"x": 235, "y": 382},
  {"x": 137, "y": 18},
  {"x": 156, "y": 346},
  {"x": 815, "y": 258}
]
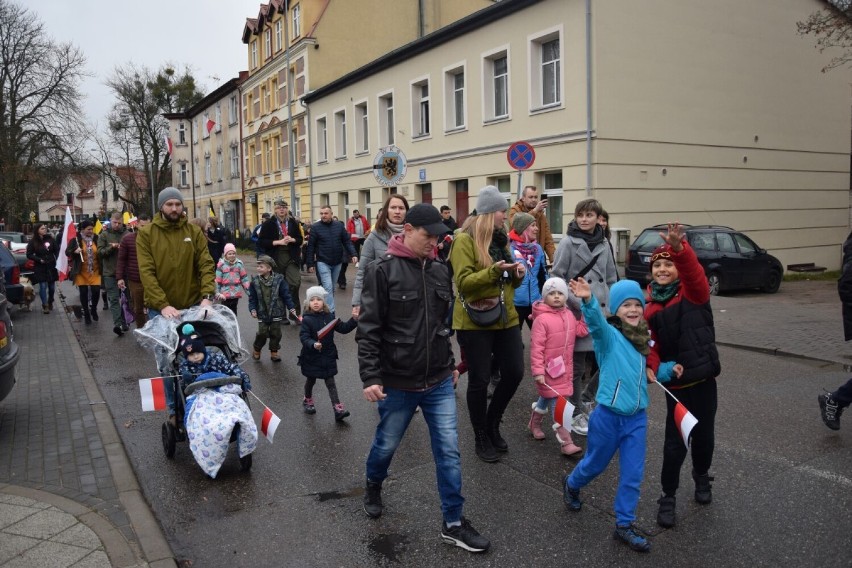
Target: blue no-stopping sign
[{"x": 521, "y": 155}]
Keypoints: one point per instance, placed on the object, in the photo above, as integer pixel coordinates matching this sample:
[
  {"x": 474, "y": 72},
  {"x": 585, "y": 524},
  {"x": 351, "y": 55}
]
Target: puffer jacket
[
  {"x": 44, "y": 258},
  {"x": 554, "y": 332},
  {"x": 682, "y": 327},
  {"x": 403, "y": 341},
  {"x": 327, "y": 243},
  {"x": 623, "y": 384},
  {"x": 212, "y": 362},
  {"x": 127, "y": 267},
  {"x": 320, "y": 364},
  {"x": 231, "y": 279},
  {"x": 280, "y": 303},
  {"x": 174, "y": 265},
  {"x": 529, "y": 291}
]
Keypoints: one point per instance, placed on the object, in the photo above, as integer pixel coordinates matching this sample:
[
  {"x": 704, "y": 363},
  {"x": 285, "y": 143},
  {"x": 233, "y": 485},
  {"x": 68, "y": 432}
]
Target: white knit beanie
[
  {"x": 315, "y": 292},
  {"x": 552, "y": 284}
]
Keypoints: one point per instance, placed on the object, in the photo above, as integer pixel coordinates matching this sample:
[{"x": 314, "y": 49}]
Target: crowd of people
[{"x": 595, "y": 342}]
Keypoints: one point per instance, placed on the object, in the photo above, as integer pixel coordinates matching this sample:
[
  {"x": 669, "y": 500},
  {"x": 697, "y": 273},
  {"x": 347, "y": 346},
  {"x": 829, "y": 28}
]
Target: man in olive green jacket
[{"x": 109, "y": 241}]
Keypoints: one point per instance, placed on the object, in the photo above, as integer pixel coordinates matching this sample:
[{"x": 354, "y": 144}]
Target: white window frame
[
  {"x": 557, "y": 226},
  {"x": 340, "y": 134},
  {"x": 233, "y": 112},
  {"x": 536, "y": 80},
  {"x": 218, "y": 118},
  {"x": 208, "y": 169},
  {"x": 235, "y": 161},
  {"x": 322, "y": 138},
  {"x": 253, "y": 54},
  {"x": 489, "y": 84},
  {"x": 421, "y": 111},
  {"x": 183, "y": 175},
  {"x": 195, "y": 131},
  {"x": 181, "y": 132},
  {"x": 220, "y": 164},
  {"x": 278, "y": 36},
  {"x": 204, "y": 119},
  {"x": 385, "y": 119},
  {"x": 362, "y": 127},
  {"x": 297, "y": 21},
  {"x": 267, "y": 43},
  {"x": 451, "y": 110}
]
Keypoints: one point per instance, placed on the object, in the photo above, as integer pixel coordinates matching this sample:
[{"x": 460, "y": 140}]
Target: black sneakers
[
  {"x": 631, "y": 538},
  {"x": 703, "y": 488},
  {"x": 484, "y": 448},
  {"x": 496, "y": 439},
  {"x": 373, "y": 499},
  {"x": 571, "y": 496},
  {"x": 465, "y": 536},
  {"x": 829, "y": 410},
  {"x": 118, "y": 331},
  {"x": 666, "y": 514}
]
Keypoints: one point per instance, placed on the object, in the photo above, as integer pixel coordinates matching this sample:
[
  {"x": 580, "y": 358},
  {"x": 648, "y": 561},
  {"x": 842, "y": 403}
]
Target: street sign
[
  {"x": 389, "y": 166},
  {"x": 521, "y": 155}
]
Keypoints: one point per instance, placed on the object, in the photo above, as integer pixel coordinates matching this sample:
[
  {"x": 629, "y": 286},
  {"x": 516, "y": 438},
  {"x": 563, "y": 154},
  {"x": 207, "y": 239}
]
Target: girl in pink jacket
[{"x": 554, "y": 331}]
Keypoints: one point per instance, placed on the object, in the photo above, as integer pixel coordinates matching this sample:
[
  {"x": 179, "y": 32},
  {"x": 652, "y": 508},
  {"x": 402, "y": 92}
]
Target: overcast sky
[{"x": 203, "y": 34}]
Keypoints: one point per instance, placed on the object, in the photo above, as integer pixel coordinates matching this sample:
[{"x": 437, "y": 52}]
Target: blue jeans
[
  {"x": 610, "y": 432},
  {"x": 438, "y": 406},
  {"x": 327, "y": 274},
  {"x": 46, "y": 291},
  {"x": 546, "y": 404}
]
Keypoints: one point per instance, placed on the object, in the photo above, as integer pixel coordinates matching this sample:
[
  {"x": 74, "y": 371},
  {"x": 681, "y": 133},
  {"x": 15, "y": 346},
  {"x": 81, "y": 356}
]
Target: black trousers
[
  {"x": 843, "y": 395},
  {"x": 89, "y": 296},
  {"x": 479, "y": 346},
  {"x": 701, "y": 401}
]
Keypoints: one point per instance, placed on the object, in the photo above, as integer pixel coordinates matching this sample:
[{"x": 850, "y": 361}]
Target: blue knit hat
[{"x": 622, "y": 291}]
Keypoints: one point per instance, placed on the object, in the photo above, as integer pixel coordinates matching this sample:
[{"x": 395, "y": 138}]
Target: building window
[
  {"x": 183, "y": 176},
  {"x": 253, "y": 59},
  {"x": 552, "y": 191},
  {"x": 420, "y": 108},
  {"x": 267, "y": 44},
  {"x": 386, "y": 127},
  {"x": 340, "y": 134},
  {"x": 235, "y": 161},
  {"x": 550, "y": 75},
  {"x": 205, "y": 133},
  {"x": 322, "y": 140},
  {"x": 232, "y": 110},
  {"x": 546, "y": 70},
  {"x": 503, "y": 184},
  {"x": 208, "y": 174},
  {"x": 454, "y": 96},
  {"x": 278, "y": 40},
  {"x": 362, "y": 129},
  {"x": 181, "y": 133},
  {"x": 297, "y": 21},
  {"x": 195, "y": 131},
  {"x": 496, "y": 82},
  {"x": 218, "y": 118},
  {"x": 249, "y": 107},
  {"x": 364, "y": 204},
  {"x": 264, "y": 99},
  {"x": 267, "y": 156}
]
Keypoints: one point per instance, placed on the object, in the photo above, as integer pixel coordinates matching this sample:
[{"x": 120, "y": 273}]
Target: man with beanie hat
[
  {"x": 175, "y": 267},
  {"x": 530, "y": 203},
  {"x": 405, "y": 299}
]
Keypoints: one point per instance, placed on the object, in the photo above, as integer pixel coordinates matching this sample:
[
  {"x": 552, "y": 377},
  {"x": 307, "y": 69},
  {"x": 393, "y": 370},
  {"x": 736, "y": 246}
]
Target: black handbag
[{"x": 488, "y": 316}]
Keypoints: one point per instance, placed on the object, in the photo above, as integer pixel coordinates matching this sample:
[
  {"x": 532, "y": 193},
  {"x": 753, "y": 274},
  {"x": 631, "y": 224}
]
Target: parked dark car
[
  {"x": 730, "y": 259},
  {"x": 11, "y": 283},
  {"x": 26, "y": 265},
  {"x": 8, "y": 351}
]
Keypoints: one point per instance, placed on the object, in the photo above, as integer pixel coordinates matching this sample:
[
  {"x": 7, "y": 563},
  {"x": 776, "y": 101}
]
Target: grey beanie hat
[
  {"x": 490, "y": 200},
  {"x": 521, "y": 221},
  {"x": 315, "y": 292},
  {"x": 169, "y": 193}
]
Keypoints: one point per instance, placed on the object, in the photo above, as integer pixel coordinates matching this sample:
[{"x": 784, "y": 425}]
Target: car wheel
[
  {"x": 715, "y": 283},
  {"x": 773, "y": 282}
]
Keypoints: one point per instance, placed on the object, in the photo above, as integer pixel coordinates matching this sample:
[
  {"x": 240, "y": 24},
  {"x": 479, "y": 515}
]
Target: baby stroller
[{"x": 218, "y": 329}]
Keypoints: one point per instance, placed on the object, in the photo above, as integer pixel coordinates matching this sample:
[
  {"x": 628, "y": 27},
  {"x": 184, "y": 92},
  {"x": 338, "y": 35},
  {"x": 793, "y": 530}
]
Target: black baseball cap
[{"x": 424, "y": 215}]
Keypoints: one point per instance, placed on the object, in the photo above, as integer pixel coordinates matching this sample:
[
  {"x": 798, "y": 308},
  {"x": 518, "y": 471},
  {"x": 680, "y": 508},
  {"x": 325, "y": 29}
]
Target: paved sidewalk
[{"x": 68, "y": 495}]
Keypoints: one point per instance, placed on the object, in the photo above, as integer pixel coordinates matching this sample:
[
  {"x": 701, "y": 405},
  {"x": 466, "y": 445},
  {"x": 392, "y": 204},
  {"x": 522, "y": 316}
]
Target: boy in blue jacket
[{"x": 619, "y": 422}]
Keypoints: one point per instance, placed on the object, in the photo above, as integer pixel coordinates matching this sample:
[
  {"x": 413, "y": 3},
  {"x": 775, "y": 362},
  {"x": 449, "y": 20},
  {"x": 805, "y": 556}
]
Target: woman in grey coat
[{"x": 390, "y": 222}]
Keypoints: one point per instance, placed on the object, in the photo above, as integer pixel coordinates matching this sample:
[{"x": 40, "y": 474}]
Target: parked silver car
[{"x": 8, "y": 351}]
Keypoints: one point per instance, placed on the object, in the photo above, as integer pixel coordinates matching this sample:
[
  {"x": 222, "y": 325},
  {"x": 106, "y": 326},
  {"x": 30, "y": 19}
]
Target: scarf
[
  {"x": 266, "y": 292},
  {"x": 592, "y": 240},
  {"x": 90, "y": 257},
  {"x": 498, "y": 247},
  {"x": 664, "y": 292},
  {"x": 637, "y": 335},
  {"x": 527, "y": 251},
  {"x": 395, "y": 229}
]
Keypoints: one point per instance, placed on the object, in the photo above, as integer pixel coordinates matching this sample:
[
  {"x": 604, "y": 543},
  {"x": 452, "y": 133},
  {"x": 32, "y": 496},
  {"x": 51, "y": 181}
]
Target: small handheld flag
[
  {"x": 269, "y": 424},
  {"x": 98, "y": 227},
  {"x": 212, "y": 211},
  {"x": 328, "y": 328},
  {"x": 683, "y": 418},
  {"x": 153, "y": 394},
  {"x": 563, "y": 411}
]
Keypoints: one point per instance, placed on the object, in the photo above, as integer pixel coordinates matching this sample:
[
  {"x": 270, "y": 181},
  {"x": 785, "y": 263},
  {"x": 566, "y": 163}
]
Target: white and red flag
[
  {"x": 685, "y": 421},
  {"x": 211, "y": 124},
  {"x": 68, "y": 233},
  {"x": 168, "y": 142},
  {"x": 563, "y": 412},
  {"x": 327, "y": 328},
  {"x": 269, "y": 424},
  {"x": 153, "y": 393}
]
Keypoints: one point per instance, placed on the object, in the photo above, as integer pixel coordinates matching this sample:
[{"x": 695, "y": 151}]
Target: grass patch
[{"x": 797, "y": 276}]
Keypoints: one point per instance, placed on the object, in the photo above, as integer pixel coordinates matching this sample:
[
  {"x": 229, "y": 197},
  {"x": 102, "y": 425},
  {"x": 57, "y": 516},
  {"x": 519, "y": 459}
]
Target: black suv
[{"x": 730, "y": 259}]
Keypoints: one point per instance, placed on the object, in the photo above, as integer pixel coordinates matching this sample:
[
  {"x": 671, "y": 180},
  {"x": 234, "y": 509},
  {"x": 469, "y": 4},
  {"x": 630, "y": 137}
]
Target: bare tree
[
  {"x": 40, "y": 116},
  {"x": 136, "y": 122},
  {"x": 832, "y": 26}
]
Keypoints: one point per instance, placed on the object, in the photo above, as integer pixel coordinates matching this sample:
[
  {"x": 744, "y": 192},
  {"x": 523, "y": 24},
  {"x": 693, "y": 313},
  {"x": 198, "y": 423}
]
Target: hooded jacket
[
  {"x": 530, "y": 289},
  {"x": 403, "y": 341},
  {"x": 548, "y": 341},
  {"x": 174, "y": 265}
]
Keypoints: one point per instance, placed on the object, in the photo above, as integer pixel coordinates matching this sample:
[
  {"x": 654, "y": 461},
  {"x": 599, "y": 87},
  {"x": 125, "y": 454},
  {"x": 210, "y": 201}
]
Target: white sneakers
[{"x": 580, "y": 424}]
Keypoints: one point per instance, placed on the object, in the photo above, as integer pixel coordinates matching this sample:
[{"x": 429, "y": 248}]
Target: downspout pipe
[{"x": 588, "y": 98}]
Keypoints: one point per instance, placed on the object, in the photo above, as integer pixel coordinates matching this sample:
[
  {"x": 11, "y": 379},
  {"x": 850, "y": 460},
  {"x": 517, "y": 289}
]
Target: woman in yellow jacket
[
  {"x": 485, "y": 274},
  {"x": 85, "y": 272}
]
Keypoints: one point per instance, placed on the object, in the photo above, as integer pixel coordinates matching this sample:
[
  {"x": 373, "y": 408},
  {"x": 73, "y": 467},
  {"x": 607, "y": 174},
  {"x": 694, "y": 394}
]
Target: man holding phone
[{"x": 530, "y": 203}]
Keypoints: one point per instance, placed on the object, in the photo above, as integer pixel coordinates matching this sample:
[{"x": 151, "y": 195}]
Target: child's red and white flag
[
  {"x": 210, "y": 125},
  {"x": 153, "y": 393},
  {"x": 326, "y": 329},
  {"x": 68, "y": 233},
  {"x": 685, "y": 421},
  {"x": 563, "y": 412},
  {"x": 168, "y": 142},
  {"x": 269, "y": 424}
]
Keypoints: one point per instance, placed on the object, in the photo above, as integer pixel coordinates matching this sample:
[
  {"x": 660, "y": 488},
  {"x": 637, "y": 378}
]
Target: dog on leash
[{"x": 28, "y": 296}]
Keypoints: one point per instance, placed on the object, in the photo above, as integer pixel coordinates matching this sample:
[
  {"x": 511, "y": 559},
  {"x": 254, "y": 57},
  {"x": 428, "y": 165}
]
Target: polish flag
[
  {"x": 153, "y": 393},
  {"x": 327, "y": 328},
  {"x": 685, "y": 421},
  {"x": 563, "y": 412},
  {"x": 269, "y": 424},
  {"x": 168, "y": 142},
  {"x": 210, "y": 125},
  {"x": 68, "y": 233}
]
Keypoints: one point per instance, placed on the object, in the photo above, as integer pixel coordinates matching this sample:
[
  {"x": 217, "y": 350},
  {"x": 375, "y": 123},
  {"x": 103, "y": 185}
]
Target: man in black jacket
[
  {"x": 406, "y": 361},
  {"x": 280, "y": 237},
  {"x": 326, "y": 245},
  {"x": 832, "y": 404}
]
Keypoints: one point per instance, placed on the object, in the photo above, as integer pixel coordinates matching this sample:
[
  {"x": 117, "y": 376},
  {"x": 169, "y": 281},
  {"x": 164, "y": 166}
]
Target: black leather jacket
[{"x": 403, "y": 339}]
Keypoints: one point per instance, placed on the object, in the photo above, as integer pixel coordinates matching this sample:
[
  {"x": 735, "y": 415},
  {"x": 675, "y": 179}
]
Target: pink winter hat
[{"x": 229, "y": 248}]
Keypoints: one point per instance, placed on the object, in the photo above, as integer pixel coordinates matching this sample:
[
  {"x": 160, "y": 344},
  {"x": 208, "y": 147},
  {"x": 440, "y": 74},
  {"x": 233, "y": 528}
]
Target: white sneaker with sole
[{"x": 580, "y": 425}]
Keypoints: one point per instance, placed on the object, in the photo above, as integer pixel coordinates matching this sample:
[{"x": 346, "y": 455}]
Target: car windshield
[{"x": 648, "y": 240}]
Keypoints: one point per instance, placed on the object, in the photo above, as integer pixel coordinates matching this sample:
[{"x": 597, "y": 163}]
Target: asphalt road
[{"x": 781, "y": 496}]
